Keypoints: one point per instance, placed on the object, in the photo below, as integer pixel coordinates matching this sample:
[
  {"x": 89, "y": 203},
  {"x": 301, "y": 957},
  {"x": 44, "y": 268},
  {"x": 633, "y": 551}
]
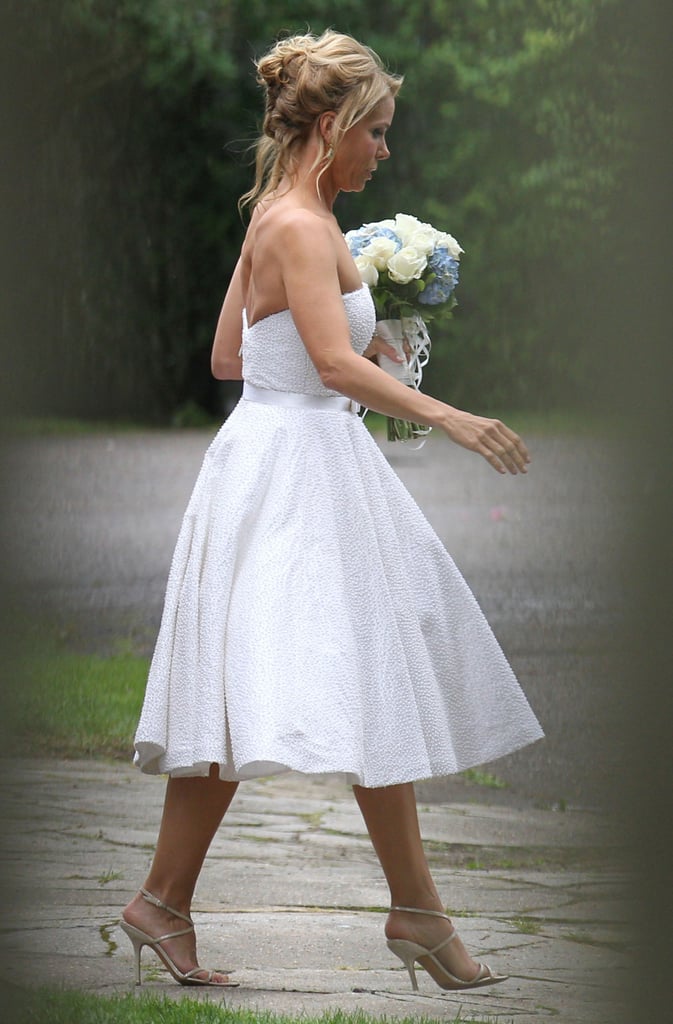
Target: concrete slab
[{"x": 292, "y": 897}]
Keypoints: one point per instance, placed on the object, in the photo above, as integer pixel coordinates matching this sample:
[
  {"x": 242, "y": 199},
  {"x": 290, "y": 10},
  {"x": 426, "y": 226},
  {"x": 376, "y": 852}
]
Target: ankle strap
[
  {"x": 415, "y": 910},
  {"x": 156, "y": 902}
]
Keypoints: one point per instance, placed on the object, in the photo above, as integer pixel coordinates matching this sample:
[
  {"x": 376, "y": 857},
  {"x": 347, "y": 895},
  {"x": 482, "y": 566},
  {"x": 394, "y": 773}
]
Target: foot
[
  {"x": 155, "y": 921},
  {"x": 430, "y": 931}
]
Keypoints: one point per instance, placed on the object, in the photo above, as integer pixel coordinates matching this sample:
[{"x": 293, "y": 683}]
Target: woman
[{"x": 313, "y": 620}]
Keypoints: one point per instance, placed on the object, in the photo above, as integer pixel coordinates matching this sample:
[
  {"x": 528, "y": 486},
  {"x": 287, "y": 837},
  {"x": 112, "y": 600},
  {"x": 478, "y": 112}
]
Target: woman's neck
[
  {"x": 318, "y": 189},
  {"x": 302, "y": 192}
]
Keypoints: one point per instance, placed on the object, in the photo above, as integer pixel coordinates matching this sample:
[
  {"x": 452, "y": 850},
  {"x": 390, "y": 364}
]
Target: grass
[
  {"x": 109, "y": 876},
  {"x": 190, "y": 416},
  {"x": 481, "y": 857},
  {"x": 541, "y": 424},
  {"x": 314, "y": 819},
  {"x": 575, "y": 423},
  {"x": 47, "y": 1006},
  {"x": 65, "y": 704},
  {"x": 483, "y": 779},
  {"x": 527, "y": 925},
  {"x": 55, "y": 426}
]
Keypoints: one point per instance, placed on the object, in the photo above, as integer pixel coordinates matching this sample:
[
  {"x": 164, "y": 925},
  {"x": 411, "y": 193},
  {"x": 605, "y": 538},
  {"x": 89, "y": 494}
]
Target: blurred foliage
[{"x": 130, "y": 121}]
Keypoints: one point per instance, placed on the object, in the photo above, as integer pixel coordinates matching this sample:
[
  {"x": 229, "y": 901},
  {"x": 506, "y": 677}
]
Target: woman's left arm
[{"x": 225, "y": 360}]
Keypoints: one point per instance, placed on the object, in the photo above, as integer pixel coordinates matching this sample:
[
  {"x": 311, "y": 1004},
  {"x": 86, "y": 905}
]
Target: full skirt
[{"x": 314, "y": 622}]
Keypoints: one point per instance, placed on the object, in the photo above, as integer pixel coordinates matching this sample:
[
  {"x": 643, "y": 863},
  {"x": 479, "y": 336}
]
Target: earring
[{"x": 330, "y": 153}]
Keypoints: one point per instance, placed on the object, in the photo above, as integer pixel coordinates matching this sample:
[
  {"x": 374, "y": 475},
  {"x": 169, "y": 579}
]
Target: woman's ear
[{"x": 326, "y": 126}]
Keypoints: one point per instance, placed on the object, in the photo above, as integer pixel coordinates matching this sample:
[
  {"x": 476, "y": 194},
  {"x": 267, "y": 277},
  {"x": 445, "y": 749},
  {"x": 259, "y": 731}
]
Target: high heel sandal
[
  {"x": 410, "y": 952},
  {"x": 139, "y": 939}
]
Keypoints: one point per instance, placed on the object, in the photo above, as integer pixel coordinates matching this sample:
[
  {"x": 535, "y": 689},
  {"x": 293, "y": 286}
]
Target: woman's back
[{"x": 264, "y": 253}]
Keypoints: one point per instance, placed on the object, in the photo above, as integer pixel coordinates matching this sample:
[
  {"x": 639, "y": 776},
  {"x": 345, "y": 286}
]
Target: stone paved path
[{"x": 291, "y": 897}]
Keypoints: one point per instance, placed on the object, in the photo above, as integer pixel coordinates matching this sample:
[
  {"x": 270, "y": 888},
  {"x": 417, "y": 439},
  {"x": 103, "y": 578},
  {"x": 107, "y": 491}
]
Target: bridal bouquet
[{"x": 412, "y": 272}]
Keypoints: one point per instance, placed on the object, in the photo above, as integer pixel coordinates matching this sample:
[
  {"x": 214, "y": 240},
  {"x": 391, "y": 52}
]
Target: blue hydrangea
[
  {"x": 359, "y": 239},
  {"x": 387, "y": 233},
  {"x": 445, "y": 268},
  {"x": 356, "y": 242}
]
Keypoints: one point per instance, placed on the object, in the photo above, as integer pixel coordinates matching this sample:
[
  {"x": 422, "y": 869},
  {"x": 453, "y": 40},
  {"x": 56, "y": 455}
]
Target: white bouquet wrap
[{"x": 408, "y": 266}]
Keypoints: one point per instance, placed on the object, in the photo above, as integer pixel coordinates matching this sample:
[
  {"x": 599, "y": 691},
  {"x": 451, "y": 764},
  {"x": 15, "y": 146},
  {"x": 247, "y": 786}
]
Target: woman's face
[{"x": 361, "y": 148}]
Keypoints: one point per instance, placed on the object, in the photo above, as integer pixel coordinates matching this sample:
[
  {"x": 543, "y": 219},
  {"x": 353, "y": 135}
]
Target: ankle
[
  {"x": 155, "y": 917},
  {"x": 417, "y": 900},
  {"x": 165, "y": 898},
  {"x": 413, "y": 922}
]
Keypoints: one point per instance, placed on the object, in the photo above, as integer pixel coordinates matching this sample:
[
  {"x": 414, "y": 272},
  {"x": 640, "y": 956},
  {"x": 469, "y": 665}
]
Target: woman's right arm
[{"x": 313, "y": 293}]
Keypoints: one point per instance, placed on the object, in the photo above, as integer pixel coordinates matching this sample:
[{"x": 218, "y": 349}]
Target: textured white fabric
[
  {"x": 313, "y": 621},
  {"x": 269, "y": 396}
]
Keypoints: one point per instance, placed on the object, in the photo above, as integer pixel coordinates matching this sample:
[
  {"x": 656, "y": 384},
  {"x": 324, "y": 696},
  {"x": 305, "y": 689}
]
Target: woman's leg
[
  {"x": 392, "y": 822},
  {"x": 193, "y": 810}
]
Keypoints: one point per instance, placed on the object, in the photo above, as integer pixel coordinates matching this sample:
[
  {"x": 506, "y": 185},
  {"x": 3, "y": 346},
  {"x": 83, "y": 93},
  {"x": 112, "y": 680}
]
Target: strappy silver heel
[
  {"x": 411, "y": 952},
  {"x": 139, "y": 939}
]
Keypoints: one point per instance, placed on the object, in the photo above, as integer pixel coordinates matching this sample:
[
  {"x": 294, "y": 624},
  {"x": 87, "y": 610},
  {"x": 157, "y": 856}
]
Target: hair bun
[{"x": 284, "y": 63}]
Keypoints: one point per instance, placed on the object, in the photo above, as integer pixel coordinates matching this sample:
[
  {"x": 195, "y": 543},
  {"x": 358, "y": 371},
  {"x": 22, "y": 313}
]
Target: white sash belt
[{"x": 334, "y": 403}]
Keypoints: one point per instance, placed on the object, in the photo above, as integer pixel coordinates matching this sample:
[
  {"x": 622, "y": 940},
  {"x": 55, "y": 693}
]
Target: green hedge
[{"x": 129, "y": 125}]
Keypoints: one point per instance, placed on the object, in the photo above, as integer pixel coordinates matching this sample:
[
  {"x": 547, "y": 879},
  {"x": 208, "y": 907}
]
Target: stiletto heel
[
  {"x": 408, "y": 953},
  {"x": 137, "y": 946},
  {"x": 139, "y": 939},
  {"x": 411, "y": 952}
]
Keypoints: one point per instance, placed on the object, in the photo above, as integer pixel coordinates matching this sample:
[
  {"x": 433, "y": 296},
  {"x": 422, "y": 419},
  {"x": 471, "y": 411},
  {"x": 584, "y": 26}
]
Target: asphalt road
[{"x": 90, "y": 523}]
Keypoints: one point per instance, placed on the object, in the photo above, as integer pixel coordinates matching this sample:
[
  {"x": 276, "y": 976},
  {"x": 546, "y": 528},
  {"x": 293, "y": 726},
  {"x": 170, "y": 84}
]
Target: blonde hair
[{"x": 306, "y": 76}]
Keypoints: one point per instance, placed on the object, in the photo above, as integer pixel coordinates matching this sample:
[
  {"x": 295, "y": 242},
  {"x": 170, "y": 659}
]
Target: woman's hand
[
  {"x": 378, "y": 346},
  {"x": 501, "y": 447}
]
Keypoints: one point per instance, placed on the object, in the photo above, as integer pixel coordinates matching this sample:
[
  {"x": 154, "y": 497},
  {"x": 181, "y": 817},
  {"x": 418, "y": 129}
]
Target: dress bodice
[{"x": 274, "y": 356}]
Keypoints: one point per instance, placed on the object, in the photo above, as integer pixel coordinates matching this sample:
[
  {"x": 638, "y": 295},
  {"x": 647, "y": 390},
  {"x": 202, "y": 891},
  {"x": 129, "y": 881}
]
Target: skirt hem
[{"x": 155, "y": 763}]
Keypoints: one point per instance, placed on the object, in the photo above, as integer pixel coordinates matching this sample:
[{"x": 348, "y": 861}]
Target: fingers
[
  {"x": 504, "y": 450},
  {"x": 501, "y": 447},
  {"x": 518, "y": 444},
  {"x": 385, "y": 349},
  {"x": 378, "y": 346}
]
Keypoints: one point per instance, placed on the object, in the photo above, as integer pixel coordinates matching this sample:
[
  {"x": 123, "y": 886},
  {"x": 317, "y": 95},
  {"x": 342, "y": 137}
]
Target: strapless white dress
[{"x": 313, "y": 620}]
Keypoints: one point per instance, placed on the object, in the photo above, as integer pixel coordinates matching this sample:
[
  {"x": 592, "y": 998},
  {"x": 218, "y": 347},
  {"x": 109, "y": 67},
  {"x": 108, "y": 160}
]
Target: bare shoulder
[
  {"x": 289, "y": 251},
  {"x": 287, "y": 234},
  {"x": 273, "y": 228},
  {"x": 293, "y": 243},
  {"x": 295, "y": 228}
]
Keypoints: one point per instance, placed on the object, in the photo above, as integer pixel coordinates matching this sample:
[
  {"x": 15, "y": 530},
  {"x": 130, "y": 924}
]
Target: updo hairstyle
[{"x": 304, "y": 76}]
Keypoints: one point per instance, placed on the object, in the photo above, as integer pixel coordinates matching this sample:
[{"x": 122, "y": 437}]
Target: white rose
[
  {"x": 379, "y": 251},
  {"x": 405, "y": 226},
  {"x": 445, "y": 241},
  {"x": 424, "y": 238},
  {"x": 368, "y": 271},
  {"x": 374, "y": 227},
  {"x": 406, "y": 265}
]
